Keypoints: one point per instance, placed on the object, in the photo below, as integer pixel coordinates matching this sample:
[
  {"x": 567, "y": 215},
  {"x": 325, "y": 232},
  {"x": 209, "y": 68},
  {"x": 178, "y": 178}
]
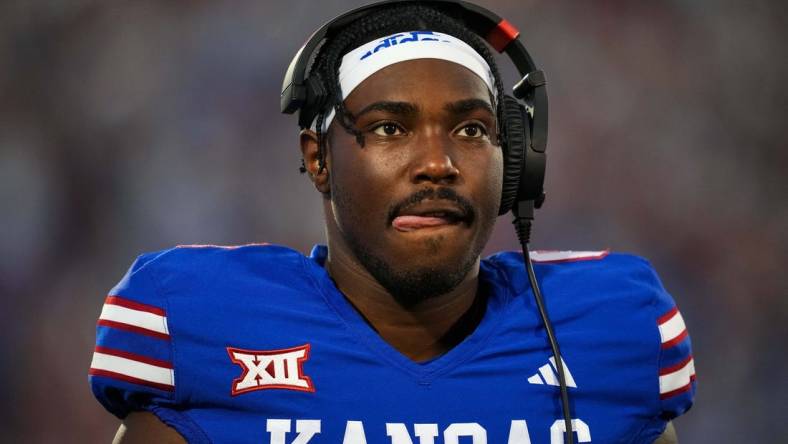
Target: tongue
[{"x": 410, "y": 223}]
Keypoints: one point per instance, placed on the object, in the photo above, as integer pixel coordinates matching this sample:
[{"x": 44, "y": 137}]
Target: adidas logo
[{"x": 547, "y": 374}]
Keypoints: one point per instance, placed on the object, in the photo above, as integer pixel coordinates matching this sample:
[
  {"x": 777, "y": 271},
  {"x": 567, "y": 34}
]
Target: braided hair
[{"x": 380, "y": 23}]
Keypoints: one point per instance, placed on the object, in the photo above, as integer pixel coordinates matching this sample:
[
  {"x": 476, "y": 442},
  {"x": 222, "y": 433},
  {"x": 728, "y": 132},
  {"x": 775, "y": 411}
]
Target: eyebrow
[
  {"x": 460, "y": 107},
  {"x": 399, "y": 108},
  {"x": 467, "y": 106}
]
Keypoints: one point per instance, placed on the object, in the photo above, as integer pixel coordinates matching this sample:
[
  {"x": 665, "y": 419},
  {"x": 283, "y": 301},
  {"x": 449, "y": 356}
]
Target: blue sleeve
[
  {"x": 132, "y": 367},
  {"x": 675, "y": 372}
]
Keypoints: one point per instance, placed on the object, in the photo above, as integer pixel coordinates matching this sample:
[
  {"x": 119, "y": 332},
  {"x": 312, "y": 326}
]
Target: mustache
[{"x": 442, "y": 193}]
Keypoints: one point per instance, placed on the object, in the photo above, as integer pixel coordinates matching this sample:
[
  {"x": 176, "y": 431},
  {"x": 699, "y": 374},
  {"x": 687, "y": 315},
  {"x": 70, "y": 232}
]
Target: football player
[{"x": 396, "y": 331}]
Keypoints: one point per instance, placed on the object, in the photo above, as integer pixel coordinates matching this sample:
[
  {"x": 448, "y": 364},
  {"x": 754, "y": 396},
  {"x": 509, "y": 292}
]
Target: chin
[
  {"x": 417, "y": 283},
  {"x": 424, "y": 267}
]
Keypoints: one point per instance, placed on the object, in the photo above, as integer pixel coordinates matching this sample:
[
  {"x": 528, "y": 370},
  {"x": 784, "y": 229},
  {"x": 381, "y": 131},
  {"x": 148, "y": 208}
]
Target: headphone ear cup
[
  {"x": 316, "y": 98},
  {"x": 515, "y": 141}
]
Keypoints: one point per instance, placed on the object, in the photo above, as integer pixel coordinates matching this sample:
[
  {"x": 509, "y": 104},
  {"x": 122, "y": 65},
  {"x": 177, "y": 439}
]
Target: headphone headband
[
  {"x": 308, "y": 95},
  {"x": 497, "y": 32}
]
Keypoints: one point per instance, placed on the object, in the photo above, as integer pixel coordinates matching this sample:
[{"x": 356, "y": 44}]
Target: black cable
[{"x": 523, "y": 216}]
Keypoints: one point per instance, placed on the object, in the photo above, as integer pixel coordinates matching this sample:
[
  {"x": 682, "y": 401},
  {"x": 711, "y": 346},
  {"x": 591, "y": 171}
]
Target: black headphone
[{"x": 524, "y": 126}]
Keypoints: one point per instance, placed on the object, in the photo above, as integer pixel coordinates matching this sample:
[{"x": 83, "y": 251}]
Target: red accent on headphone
[{"x": 502, "y": 35}]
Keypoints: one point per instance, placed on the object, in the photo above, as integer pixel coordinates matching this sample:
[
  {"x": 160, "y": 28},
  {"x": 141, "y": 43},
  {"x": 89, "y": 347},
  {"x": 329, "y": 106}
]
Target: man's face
[{"x": 417, "y": 203}]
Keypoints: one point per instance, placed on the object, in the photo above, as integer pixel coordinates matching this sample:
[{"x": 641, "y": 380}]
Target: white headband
[{"x": 367, "y": 59}]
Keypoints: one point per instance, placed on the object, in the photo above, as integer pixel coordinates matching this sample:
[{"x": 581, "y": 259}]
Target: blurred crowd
[{"x": 134, "y": 126}]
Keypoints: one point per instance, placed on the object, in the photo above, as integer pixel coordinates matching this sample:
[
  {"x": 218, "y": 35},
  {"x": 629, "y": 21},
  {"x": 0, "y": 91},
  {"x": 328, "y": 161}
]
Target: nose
[{"x": 433, "y": 161}]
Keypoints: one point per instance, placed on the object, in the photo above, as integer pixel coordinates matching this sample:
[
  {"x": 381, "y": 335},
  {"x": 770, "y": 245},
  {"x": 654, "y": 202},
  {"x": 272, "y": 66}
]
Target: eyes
[
  {"x": 388, "y": 129},
  {"x": 472, "y": 130}
]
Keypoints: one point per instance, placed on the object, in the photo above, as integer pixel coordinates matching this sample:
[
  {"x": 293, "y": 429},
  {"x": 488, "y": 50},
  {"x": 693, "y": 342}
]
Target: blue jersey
[{"x": 255, "y": 344}]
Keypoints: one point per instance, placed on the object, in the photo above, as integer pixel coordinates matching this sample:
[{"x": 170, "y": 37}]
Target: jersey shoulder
[
  {"x": 572, "y": 268},
  {"x": 190, "y": 265},
  {"x": 166, "y": 297},
  {"x": 604, "y": 294}
]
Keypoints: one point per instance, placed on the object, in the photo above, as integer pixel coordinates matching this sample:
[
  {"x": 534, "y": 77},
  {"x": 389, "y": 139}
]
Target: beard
[
  {"x": 412, "y": 285},
  {"x": 409, "y": 287}
]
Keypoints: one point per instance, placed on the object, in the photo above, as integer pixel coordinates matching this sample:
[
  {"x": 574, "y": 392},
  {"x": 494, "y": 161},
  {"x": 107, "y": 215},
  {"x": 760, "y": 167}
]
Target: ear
[{"x": 311, "y": 156}]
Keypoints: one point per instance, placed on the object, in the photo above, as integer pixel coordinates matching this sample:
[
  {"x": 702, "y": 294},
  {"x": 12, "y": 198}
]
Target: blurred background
[{"x": 134, "y": 126}]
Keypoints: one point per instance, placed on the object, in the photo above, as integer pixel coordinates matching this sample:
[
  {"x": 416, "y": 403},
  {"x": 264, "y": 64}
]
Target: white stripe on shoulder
[
  {"x": 133, "y": 368},
  {"x": 671, "y": 328},
  {"x": 673, "y": 379},
  {"x": 136, "y": 318}
]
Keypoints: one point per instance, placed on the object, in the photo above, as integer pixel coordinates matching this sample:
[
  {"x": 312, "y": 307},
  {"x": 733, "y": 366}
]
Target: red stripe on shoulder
[
  {"x": 127, "y": 303},
  {"x": 675, "y": 340},
  {"x": 131, "y": 379},
  {"x": 675, "y": 367},
  {"x": 679, "y": 390},
  {"x": 132, "y": 328},
  {"x": 133, "y": 357},
  {"x": 667, "y": 316}
]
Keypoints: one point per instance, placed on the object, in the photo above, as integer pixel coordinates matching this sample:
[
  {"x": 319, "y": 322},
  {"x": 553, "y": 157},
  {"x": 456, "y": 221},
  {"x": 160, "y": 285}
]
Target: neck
[{"x": 420, "y": 332}]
